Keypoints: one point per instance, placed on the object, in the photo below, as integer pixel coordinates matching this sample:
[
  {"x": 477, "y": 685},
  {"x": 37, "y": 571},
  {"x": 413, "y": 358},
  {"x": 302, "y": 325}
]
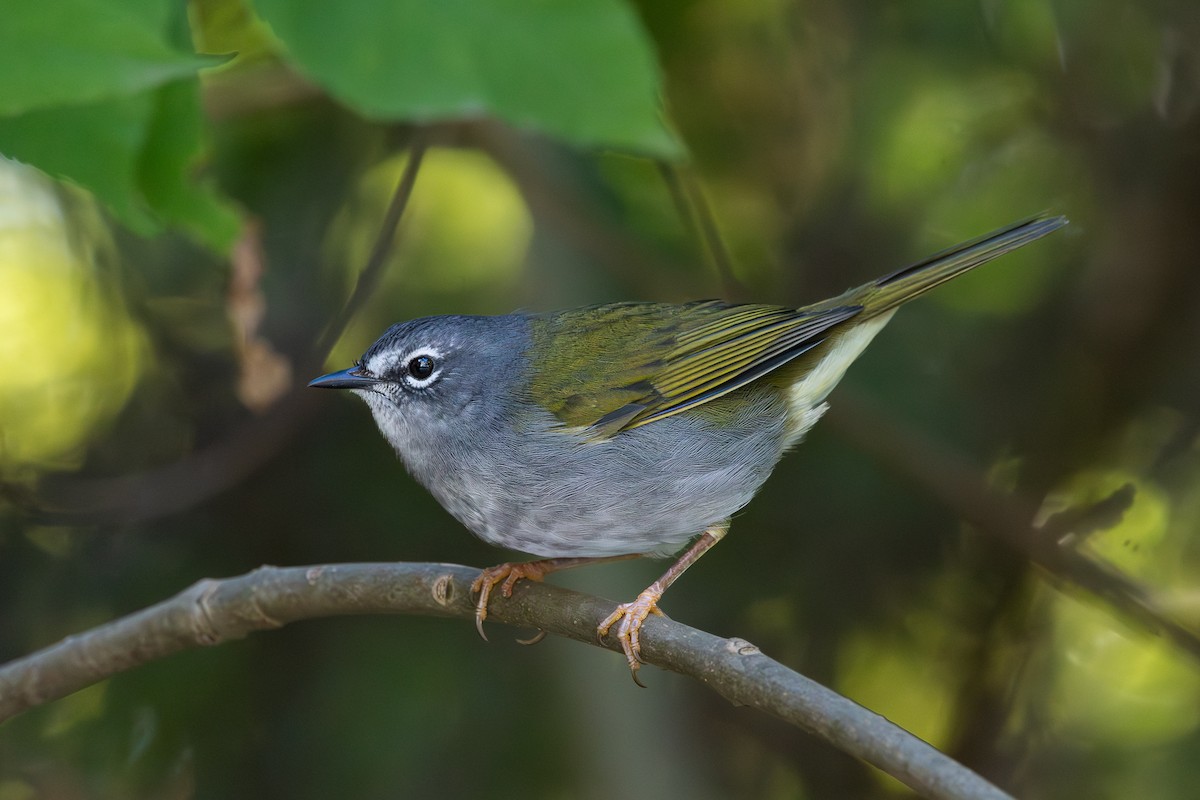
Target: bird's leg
[
  {"x": 629, "y": 616},
  {"x": 508, "y": 573}
]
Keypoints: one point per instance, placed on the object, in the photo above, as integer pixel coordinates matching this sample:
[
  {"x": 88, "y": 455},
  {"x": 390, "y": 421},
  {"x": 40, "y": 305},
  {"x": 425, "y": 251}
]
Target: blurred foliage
[
  {"x": 71, "y": 355},
  {"x": 467, "y": 232},
  {"x": 217, "y": 209},
  {"x": 99, "y": 92},
  {"x": 586, "y": 74}
]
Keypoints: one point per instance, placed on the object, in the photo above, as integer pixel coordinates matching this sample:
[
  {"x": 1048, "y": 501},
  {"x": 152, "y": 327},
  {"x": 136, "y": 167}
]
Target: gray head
[{"x": 425, "y": 378}]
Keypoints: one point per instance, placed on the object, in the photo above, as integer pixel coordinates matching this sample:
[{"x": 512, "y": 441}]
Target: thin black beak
[{"x": 346, "y": 379}]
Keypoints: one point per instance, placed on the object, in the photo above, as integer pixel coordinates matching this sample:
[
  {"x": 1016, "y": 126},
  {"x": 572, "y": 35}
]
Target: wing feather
[{"x": 617, "y": 367}]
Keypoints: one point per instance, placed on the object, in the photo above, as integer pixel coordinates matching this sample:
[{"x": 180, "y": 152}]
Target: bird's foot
[
  {"x": 507, "y": 575},
  {"x": 628, "y": 617}
]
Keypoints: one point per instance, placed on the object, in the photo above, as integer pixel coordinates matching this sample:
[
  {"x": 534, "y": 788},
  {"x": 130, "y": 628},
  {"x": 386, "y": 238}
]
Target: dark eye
[{"x": 421, "y": 367}]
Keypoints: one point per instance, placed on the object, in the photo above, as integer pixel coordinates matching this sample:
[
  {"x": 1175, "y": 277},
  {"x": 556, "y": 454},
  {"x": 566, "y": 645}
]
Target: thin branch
[
  {"x": 215, "y": 468},
  {"x": 216, "y": 611},
  {"x": 558, "y": 203},
  {"x": 372, "y": 271},
  {"x": 693, "y": 207}
]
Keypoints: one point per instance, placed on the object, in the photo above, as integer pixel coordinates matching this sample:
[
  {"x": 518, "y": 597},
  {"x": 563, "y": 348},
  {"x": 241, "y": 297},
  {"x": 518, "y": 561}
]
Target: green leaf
[
  {"x": 583, "y": 70},
  {"x": 95, "y": 145},
  {"x": 230, "y": 26},
  {"x": 55, "y": 52},
  {"x": 173, "y": 145},
  {"x": 134, "y": 153},
  {"x": 95, "y": 92}
]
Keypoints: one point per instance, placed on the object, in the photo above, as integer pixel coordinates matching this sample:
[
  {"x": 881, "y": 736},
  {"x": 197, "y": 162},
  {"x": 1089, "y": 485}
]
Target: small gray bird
[{"x": 621, "y": 430}]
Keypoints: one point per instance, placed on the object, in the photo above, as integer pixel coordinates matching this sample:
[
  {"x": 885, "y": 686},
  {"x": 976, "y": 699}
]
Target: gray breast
[{"x": 550, "y": 492}]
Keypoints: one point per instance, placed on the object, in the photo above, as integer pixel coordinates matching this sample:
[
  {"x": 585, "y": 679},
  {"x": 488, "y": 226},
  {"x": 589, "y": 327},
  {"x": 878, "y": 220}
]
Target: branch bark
[{"x": 215, "y": 611}]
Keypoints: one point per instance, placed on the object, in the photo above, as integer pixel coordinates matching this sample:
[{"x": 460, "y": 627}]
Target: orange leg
[
  {"x": 509, "y": 573},
  {"x": 629, "y": 616}
]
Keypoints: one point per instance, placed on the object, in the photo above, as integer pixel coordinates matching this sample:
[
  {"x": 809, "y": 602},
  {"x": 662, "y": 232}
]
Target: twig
[
  {"x": 172, "y": 488},
  {"x": 372, "y": 271},
  {"x": 557, "y": 203},
  {"x": 215, "y": 611},
  {"x": 693, "y": 207}
]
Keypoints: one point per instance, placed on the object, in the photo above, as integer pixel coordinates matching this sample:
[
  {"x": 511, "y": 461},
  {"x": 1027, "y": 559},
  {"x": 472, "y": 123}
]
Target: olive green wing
[{"x": 615, "y": 367}]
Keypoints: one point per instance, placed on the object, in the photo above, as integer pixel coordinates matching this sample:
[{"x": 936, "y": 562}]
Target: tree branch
[{"x": 215, "y": 611}]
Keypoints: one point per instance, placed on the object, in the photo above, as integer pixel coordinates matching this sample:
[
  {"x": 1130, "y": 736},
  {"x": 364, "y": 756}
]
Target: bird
[{"x": 626, "y": 429}]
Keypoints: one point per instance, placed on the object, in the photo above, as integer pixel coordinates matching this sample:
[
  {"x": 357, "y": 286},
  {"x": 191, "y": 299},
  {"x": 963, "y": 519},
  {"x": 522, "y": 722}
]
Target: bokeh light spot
[{"x": 69, "y": 354}]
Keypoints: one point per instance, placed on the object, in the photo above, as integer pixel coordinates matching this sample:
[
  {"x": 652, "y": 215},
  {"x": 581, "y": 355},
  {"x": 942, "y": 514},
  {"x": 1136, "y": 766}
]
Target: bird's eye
[
  {"x": 421, "y": 367},
  {"x": 418, "y": 369}
]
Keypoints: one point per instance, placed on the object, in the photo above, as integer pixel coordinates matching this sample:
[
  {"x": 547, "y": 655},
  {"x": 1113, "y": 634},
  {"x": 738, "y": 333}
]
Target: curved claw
[
  {"x": 480, "y": 616},
  {"x": 532, "y": 640},
  {"x": 483, "y": 587},
  {"x": 506, "y": 575},
  {"x": 629, "y": 617}
]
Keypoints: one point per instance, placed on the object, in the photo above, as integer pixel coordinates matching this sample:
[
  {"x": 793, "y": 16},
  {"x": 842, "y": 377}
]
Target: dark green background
[{"x": 834, "y": 141}]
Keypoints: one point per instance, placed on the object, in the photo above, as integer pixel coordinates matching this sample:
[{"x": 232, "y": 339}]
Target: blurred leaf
[
  {"x": 95, "y": 98},
  {"x": 899, "y": 674},
  {"x": 16, "y": 790},
  {"x": 231, "y": 26},
  {"x": 930, "y": 136},
  {"x": 134, "y": 153},
  {"x": 79, "y": 707},
  {"x": 95, "y": 145},
  {"x": 1134, "y": 544},
  {"x": 57, "y": 541},
  {"x": 1027, "y": 29},
  {"x": 70, "y": 353},
  {"x": 1118, "y": 686},
  {"x": 1112, "y": 51},
  {"x": 584, "y": 71},
  {"x": 173, "y": 144},
  {"x": 84, "y": 51},
  {"x": 467, "y": 227}
]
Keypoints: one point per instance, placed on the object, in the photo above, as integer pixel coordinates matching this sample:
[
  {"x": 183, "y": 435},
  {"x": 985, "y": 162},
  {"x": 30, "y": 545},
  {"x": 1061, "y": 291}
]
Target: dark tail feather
[{"x": 902, "y": 285}]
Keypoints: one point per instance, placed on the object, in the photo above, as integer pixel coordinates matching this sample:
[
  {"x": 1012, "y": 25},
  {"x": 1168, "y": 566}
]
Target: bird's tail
[{"x": 890, "y": 291}]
